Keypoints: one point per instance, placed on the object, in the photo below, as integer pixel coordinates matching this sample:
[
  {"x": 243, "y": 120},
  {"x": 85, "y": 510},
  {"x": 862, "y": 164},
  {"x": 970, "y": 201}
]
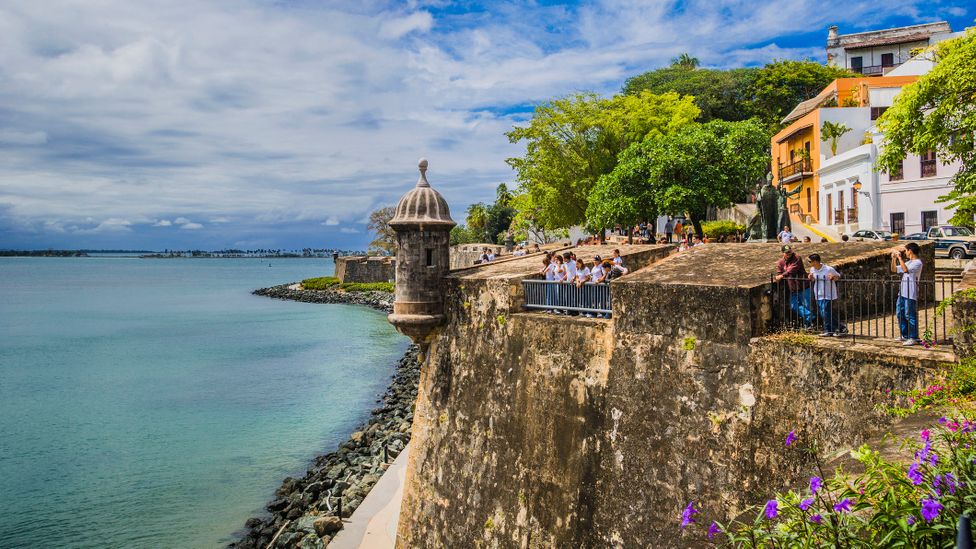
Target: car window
[
  {"x": 957, "y": 231},
  {"x": 859, "y": 234},
  {"x": 933, "y": 233},
  {"x": 883, "y": 234}
]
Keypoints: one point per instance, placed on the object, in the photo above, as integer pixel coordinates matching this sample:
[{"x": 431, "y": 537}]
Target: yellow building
[{"x": 798, "y": 151}]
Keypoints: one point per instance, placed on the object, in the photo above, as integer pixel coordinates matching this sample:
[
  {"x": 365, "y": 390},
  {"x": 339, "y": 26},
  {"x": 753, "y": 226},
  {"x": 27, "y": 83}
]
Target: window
[
  {"x": 898, "y": 173},
  {"x": 857, "y": 63},
  {"x": 430, "y": 257},
  {"x": 957, "y": 231},
  {"x": 853, "y": 199},
  {"x": 887, "y": 60},
  {"x": 876, "y": 112},
  {"x": 792, "y": 156},
  {"x": 930, "y": 219},
  {"x": 840, "y": 200},
  {"x": 928, "y": 164},
  {"x": 809, "y": 202}
]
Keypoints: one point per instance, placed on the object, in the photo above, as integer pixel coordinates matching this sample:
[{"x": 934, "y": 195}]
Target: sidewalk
[{"x": 374, "y": 523}]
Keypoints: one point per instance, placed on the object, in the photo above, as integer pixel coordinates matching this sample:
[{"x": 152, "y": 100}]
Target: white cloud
[
  {"x": 419, "y": 21},
  {"x": 163, "y": 223},
  {"x": 191, "y": 226},
  {"x": 348, "y": 230},
  {"x": 110, "y": 225},
  {"x": 257, "y": 114}
]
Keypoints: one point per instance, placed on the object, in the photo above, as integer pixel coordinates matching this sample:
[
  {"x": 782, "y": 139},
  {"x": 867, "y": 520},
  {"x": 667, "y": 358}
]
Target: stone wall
[
  {"x": 365, "y": 269},
  {"x": 536, "y": 430},
  {"x": 465, "y": 255}
]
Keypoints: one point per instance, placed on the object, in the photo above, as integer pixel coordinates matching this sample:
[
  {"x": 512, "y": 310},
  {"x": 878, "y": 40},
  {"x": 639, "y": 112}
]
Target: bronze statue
[{"x": 772, "y": 213}]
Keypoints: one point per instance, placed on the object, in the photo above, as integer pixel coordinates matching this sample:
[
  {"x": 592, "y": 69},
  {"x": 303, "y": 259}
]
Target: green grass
[
  {"x": 320, "y": 283},
  {"x": 367, "y": 287}
]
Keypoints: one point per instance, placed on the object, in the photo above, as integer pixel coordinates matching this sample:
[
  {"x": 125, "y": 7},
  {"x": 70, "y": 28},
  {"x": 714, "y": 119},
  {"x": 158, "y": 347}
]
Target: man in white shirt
[
  {"x": 907, "y": 308},
  {"x": 785, "y": 236},
  {"x": 824, "y": 279},
  {"x": 491, "y": 255}
]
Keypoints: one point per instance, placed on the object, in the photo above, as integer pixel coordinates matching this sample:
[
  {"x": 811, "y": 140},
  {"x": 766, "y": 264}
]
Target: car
[
  {"x": 916, "y": 236},
  {"x": 952, "y": 241},
  {"x": 871, "y": 235}
]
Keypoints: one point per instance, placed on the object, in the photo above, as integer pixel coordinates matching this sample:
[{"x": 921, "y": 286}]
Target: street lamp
[{"x": 857, "y": 188}]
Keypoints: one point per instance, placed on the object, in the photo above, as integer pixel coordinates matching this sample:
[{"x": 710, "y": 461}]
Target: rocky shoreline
[
  {"x": 306, "y": 512},
  {"x": 381, "y": 301}
]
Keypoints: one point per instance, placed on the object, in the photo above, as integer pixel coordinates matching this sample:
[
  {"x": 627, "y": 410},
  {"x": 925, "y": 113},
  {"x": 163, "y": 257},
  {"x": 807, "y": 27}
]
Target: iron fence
[
  {"x": 562, "y": 296},
  {"x": 854, "y": 308}
]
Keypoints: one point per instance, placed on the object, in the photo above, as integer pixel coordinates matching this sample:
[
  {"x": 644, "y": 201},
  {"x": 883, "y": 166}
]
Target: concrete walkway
[{"x": 374, "y": 523}]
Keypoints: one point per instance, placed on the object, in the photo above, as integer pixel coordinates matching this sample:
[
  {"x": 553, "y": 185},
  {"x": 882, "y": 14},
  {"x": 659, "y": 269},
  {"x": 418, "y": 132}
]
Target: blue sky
[{"x": 284, "y": 123}]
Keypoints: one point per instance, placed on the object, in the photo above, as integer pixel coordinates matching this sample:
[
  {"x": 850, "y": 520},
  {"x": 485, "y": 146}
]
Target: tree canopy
[
  {"x": 572, "y": 141},
  {"x": 938, "y": 113},
  {"x": 379, "y": 225},
  {"x": 768, "y": 93},
  {"x": 700, "y": 165},
  {"x": 486, "y": 223}
]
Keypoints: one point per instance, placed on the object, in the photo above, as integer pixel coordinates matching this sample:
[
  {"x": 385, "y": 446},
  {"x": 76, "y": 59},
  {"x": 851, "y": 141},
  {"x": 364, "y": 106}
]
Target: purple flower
[
  {"x": 914, "y": 474},
  {"x": 943, "y": 420},
  {"x": 713, "y": 530},
  {"x": 688, "y": 516},
  {"x": 805, "y": 504},
  {"x": 924, "y": 435},
  {"x": 816, "y": 519},
  {"x": 816, "y": 483},
  {"x": 791, "y": 438},
  {"x": 930, "y": 509},
  {"x": 911, "y": 520},
  {"x": 947, "y": 481},
  {"x": 844, "y": 506},
  {"x": 771, "y": 509}
]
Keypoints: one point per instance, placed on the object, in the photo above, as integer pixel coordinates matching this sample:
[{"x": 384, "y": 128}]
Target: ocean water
[{"x": 157, "y": 403}]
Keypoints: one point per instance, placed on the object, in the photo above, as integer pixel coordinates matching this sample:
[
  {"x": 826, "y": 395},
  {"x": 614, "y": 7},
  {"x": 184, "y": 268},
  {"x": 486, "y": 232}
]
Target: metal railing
[
  {"x": 838, "y": 217},
  {"x": 852, "y": 215},
  {"x": 864, "y": 307},
  {"x": 795, "y": 168},
  {"x": 562, "y": 296}
]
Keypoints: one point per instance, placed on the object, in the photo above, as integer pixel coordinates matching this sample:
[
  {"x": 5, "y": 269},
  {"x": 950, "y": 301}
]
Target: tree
[
  {"x": 572, "y": 141},
  {"x": 938, "y": 113},
  {"x": 781, "y": 85},
  {"x": 700, "y": 165},
  {"x": 685, "y": 61},
  {"x": 720, "y": 94},
  {"x": 832, "y": 131},
  {"x": 379, "y": 224}
]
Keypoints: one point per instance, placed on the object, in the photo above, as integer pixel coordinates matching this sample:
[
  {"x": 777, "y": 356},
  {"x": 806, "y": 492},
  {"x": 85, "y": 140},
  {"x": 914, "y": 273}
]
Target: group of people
[
  {"x": 821, "y": 283},
  {"x": 572, "y": 271}
]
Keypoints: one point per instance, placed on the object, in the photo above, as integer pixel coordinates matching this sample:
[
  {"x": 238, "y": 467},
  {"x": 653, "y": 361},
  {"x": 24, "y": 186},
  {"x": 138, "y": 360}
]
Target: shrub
[
  {"x": 900, "y": 503},
  {"x": 320, "y": 283},
  {"x": 716, "y": 229},
  {"x": 367, "y": 287}
]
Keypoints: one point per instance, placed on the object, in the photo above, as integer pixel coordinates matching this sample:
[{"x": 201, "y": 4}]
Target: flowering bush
[
  {"x": 890, "y": 504},
  {"x": 955, "y": 385}
]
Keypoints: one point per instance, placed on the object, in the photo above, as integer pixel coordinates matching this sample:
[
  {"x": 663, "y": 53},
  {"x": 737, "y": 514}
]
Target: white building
[
  {"x": 877, "y": 53},
  {"x": 902, "y": 202}
]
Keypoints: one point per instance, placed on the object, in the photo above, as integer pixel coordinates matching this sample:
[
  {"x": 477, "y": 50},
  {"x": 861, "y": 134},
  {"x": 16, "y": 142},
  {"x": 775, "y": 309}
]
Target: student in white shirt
[
  {"x": 824, "y": 279},
  {"x": 907, "y": 307},
  {"x": 785, "y": 236},
  {"x": 582, "y": 273},
  {"x": 549, "y": 272},
  {"x": 570, "y": 266},
  {"x": 617, "y": 260}
]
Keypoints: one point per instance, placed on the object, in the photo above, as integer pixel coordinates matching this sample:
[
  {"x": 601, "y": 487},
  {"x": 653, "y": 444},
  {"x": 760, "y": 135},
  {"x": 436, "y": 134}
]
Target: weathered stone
[
  {"x": 328, "y": 525},
  {"x": 277, "y": 505},
  {"x": 311, "y": 541}
]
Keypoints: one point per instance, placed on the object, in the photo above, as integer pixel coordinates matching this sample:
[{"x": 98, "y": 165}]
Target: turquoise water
[{"x": 156, "y": 403}]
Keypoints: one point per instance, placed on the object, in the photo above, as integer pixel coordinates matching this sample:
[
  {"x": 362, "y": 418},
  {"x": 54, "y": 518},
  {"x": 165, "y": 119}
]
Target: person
[
  {"x": 668, "y": 229},
  {"x": 549, "y": 272},
  {"x": 582, "y": 273},
  {"x": 790, "y": 267},
  {"x": 679, "y": 229},
  {"x": 824, "y": 279},
  {"x": 696, "y": 241},
  {"x": 490, "y": 253},
  {"x": 536, "y": 248},
  {"x": 785, "y": 236},
  {"x": 570, "y": 265},
  {"x": 617, "y": 260},
  {"x": 907, "y": 306},
  {"x": 806, "y": 239}
]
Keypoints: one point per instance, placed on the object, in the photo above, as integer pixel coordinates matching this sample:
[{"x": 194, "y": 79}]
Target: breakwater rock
[
  {"x": 306, "y": 512},
  {"x": 382, "y": 301}
]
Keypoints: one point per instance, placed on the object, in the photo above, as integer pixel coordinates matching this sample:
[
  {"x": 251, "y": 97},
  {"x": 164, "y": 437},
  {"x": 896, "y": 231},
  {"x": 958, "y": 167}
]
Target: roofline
[{"x": 920, "y": 25}]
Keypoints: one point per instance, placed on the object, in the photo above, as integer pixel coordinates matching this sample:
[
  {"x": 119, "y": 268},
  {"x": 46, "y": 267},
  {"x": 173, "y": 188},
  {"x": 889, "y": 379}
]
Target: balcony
[
  {"x": 852, "y": 215},
  {"x": 795, "y": 170},
  {"x": 874, "y": 70},
  {"x": 928, "y": 168}
]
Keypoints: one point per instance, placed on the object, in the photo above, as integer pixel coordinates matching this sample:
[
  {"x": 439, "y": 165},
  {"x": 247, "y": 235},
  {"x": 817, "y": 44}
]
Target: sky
[{"x": 282, "y": 124}]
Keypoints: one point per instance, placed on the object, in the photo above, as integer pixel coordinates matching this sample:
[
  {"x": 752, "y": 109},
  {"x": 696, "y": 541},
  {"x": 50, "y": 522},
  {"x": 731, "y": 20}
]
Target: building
[
  {"x": 842, "y": 192},
  {"x": 877, "y": 53}
]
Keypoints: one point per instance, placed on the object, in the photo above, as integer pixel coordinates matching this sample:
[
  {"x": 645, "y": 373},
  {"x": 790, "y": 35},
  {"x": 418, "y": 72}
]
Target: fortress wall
[
  {"x": 365, "y": 269},
  {"x": 536, "y": 430}
]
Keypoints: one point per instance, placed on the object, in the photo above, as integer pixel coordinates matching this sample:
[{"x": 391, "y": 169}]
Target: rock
[
  {"x": 311, "y": 541},
  {"x": 357, "y": 436},
  {"x": 328, "y": 525},
  {"x": 253, "y": 523},
  {"x": 293, "y": 513},
  {"x": 277, "y": 505},
  {"x": 306, "y": 523},
  {"x": 370, "y": 480}
]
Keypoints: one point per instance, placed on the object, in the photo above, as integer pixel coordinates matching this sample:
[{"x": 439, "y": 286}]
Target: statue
[{"x": 772, "y": 213}]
